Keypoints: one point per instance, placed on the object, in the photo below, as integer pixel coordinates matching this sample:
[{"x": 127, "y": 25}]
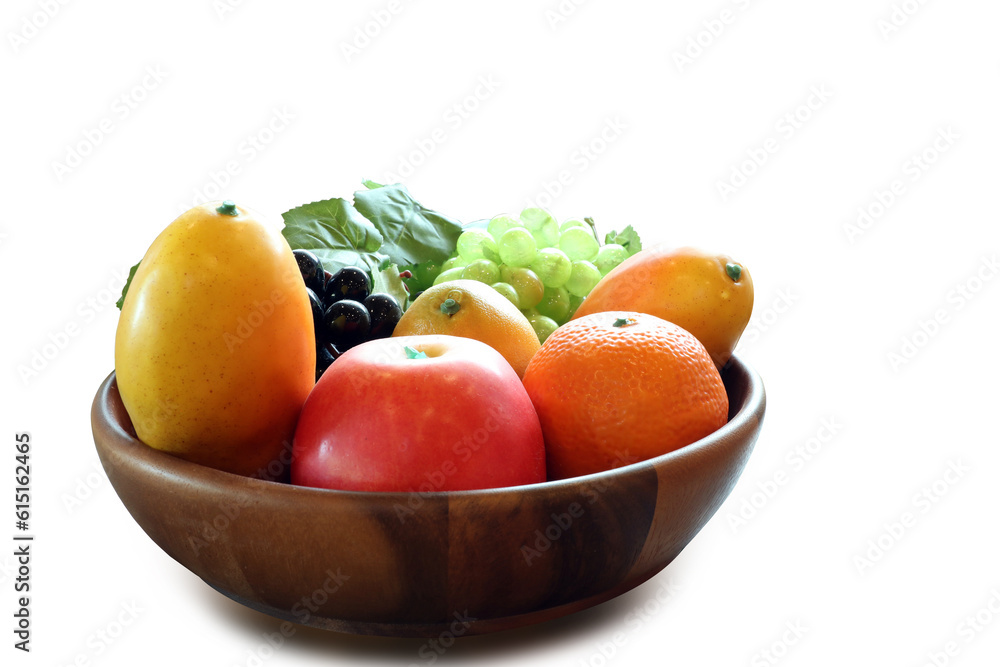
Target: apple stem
[
  {"x": 413, "y": 353},
  {"x": 450, "y": 307}
]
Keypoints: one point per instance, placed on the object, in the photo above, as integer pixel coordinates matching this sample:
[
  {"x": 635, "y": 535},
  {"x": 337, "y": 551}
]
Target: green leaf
[
  {"x": 387, "y": 281},
  {"x": 371, "y": 185},
  {"x": 628, "y": 238},
  {"x": 412, "y": 233},
  {"x": 336, "y": 233},
  {"x": 128, "y": 283}
]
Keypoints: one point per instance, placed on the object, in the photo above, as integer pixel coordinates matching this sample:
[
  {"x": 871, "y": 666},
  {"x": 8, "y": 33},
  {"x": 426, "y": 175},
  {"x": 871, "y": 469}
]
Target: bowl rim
[{"x": 107, "y": 402}]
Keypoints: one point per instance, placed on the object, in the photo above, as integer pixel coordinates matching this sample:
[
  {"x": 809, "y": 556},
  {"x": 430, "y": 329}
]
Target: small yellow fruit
[
  {"x": 472, "y": 309},
  {"x": 215, "y": 351}
]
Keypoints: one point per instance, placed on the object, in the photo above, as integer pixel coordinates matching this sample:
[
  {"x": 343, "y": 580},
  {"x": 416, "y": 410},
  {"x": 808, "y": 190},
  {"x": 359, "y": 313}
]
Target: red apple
[{"x": 455, "y": 419}]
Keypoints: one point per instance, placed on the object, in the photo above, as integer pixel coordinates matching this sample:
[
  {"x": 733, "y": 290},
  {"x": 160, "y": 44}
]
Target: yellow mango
[
  {"x": 708, "y": 294},
  {"x": 215, "y": 351}
]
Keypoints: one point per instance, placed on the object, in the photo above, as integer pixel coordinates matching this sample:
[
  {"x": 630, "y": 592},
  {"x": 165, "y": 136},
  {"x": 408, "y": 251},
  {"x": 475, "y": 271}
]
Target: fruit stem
[
  {"x": 412, "y": 353},
  {"x": 228, "y": 208},
  {"x": 450, "y": 307},
  {"x": 593, "y": 229},
  {"x": 624, "y": 322},
  {"x": 734, "y": 271}
]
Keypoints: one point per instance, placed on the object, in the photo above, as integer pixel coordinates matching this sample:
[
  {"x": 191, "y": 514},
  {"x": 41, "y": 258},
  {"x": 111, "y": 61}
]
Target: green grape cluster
[{"x": 544, "y": 268}]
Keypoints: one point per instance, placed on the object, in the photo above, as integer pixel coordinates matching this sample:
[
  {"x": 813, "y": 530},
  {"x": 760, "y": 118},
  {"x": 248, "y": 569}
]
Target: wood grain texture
[{"x": 415, "y": 565}]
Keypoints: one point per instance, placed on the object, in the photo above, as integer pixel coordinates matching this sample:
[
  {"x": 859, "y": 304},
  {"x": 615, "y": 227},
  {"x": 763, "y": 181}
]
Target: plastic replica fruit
[
  {"x": 418, "y": 414},
  {"x": 344, "y": 311},
  {"x": 709, "y": 295},
  {"x": 472, "y": 309},
  {"x": 349, "y": 282},
  {"x": 215, "y": 350},
  {"x": 345, "y": 324},
  {"x": 520, "y": 256},
  {"x": 311, "y": 269},
  {"x": 384, "y": 312},
  {"x": 619, "y": 387}
]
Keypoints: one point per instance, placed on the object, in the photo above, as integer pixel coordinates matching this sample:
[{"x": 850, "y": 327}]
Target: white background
[{"x": 832, "y": 304}]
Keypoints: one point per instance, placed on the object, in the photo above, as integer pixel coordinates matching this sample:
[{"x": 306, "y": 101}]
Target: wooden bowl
[{"x": 411, "y": 565}]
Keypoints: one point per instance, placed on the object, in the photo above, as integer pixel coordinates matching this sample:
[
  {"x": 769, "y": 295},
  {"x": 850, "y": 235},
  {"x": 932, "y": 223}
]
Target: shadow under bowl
[{"x": 418, "y": 565}]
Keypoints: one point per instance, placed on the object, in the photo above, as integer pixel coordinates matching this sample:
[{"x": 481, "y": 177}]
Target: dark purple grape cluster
[{"x": 345, "y": 312}]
